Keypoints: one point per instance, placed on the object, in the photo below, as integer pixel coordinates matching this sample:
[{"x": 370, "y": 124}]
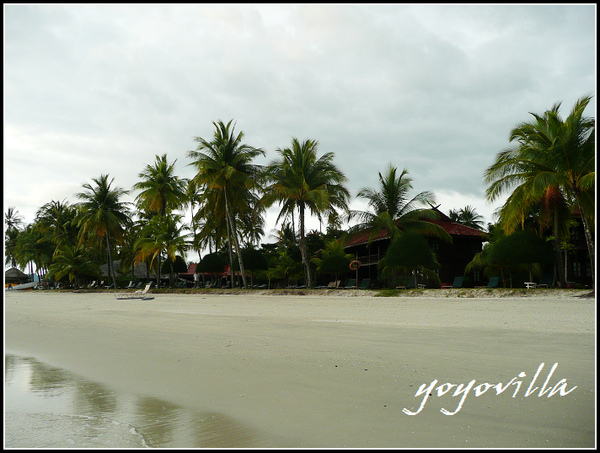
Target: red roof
[{"x": 452, "y": 228}]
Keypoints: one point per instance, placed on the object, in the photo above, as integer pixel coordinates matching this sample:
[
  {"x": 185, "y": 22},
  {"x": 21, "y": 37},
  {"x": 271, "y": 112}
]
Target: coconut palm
[
  {"x": 13, "y": 223},
  {"x": 224, "y": 164},
  {"x": 334, "y": 260},
  {"x": 33, "y": 248},
  {"x": 161, "y": 190},
  {"x": 552, "y": 159},
  {"x": 467, "y": 216},
  {"x": 102, "y": 214},
  {"x": 162, "y": 234},
  {"x": 301, "y": 180},
  {"x": 57, "y": 221},
  {"x": 393, "y": 211},
  {"x": 73, "y": 262}
]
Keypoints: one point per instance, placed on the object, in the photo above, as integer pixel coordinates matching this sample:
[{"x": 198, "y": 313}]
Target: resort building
[{"x": 452, "y": 257}]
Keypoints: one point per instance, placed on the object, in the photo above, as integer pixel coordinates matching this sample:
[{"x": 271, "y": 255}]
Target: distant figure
[{"x": 196, "y": 280}]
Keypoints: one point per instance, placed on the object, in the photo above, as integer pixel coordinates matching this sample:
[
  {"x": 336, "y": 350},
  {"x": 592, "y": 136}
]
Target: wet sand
[{"x": 335, "y": 371}]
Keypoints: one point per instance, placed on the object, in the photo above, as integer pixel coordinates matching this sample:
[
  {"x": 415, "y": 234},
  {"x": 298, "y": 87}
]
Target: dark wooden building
[{"x": 452, "y": 257}]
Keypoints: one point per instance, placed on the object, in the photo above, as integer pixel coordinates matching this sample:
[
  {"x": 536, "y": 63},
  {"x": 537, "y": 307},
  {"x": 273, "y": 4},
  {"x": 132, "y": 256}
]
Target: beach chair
[
  {"x": 547, "y": 281},
  {"x": 131, "y": 285},
  {"x": 492, "y": 283},
  {"x": 329, "y": 286},
  {"x": 93, "y": 284},
  {"x": 458, "y": 282},
  {"x": 351, "y": 284},
  {"x": 411, "y": 284},
  {"x": 366, "y": 282},
  {"x": 140, "y": 294}
]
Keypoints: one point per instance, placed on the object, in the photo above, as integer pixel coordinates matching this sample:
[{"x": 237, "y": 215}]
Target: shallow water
[{"x": 47, "y": 407}]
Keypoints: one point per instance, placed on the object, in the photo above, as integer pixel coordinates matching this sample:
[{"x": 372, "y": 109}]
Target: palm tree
[
  {"x": 552, "y": 159},
  {"x": 32, "y": 247},
  {"x": 74, "y": 262},
  {"x": 467, "y": 216},
  {"x": 12, "y": 219},
  {"x": 102, "y": 214},
  {"x": 57, "y": 221},
  {"x": 393, "y": 210},
  {"x": 224, "y": 165},
  {"x": 13, "y": 222},
  {"x": 161, "y": 190},
  {"x": 301, "y": 180}
]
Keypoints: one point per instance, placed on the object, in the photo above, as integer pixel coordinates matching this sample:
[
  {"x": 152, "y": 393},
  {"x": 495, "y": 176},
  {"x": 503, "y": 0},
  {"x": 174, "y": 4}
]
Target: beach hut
[{"x": 14, "y": 275}]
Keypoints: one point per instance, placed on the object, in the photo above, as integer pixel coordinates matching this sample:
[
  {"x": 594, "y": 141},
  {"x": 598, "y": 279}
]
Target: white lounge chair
[{"x": 140, "y": 294}]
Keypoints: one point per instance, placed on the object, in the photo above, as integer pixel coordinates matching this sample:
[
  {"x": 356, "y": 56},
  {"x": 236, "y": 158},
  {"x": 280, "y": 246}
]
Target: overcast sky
[{"x": 435, "y": 89}]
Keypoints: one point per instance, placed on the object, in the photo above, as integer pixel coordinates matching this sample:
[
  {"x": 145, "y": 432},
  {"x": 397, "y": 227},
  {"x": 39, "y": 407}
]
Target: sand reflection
[{"x": 47, "y": 407}]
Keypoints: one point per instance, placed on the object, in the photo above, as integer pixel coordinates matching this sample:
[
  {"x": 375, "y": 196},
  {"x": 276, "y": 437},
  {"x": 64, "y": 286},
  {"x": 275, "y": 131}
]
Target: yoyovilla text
[{"x": 463, "y": 390}]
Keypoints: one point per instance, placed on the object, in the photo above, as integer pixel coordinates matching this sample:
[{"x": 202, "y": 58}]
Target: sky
[{"x": 96, "y": 89}]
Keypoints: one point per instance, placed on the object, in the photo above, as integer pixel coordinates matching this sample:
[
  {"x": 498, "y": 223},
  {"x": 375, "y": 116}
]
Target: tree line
[{"x": 549, "y": 173}]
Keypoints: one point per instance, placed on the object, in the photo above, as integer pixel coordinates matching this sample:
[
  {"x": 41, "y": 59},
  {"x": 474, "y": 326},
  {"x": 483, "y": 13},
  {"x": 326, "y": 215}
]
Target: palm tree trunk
[
  {"x": 111, "y": 271},
  {"x": 589, "y": 241},
  {"x": 235, "y": 241},
  {"x": 158, "y": 272},
  {"x": 303, "y": 248},
  {"x": 557, "y": 254}
]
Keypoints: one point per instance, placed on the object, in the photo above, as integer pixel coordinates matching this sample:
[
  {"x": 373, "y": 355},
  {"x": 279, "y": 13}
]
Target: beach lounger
[
  {"x": 458, "y": 282},
  {"x": 492, "y": 283},
  {"x": 141, "y": 294},
  {"x": 411, "y": 284},
  {"x": 351, "y": 284},
  {"x": 329, "y": 286},
  {"x": 366, "y": 282}
]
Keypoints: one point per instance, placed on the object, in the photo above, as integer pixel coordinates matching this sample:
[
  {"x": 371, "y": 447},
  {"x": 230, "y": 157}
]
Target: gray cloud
[{"x": 93, "y": 89}]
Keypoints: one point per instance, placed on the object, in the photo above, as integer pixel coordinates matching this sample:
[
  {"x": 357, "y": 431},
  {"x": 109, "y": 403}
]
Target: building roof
[{"x": 452, "y": 228}]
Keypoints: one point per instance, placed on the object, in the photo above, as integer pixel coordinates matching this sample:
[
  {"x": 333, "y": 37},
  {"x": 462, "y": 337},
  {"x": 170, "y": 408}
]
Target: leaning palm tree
[
  {"x": 301, "y": 180},
  {"x": 393, "y": 210},
  {"x": 224, "y": 164},
  {"x": 102, "y": 214},
  {"x": 551, "y": 157},
  {"x": 161, "y": 190}
]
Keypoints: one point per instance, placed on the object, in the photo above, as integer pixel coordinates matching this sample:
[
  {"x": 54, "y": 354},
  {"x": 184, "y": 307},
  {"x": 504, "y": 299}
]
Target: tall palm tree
[
  {"x": 102, "y": 214},
  {"x": 13, "y": 223},
  {"x": 57, "y": 220},
  {"x": 32, "y": 247},
  {"x": 394, "y": 211},
  {"x": 224, "y": 164},
  {"x": 161, "y": 190},
  {"x": 301, "y": 180},
  {"x": 551, "y": 159}
]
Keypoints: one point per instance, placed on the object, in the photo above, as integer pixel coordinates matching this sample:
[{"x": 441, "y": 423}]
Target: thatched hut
[{"x": 14, "y": 275}]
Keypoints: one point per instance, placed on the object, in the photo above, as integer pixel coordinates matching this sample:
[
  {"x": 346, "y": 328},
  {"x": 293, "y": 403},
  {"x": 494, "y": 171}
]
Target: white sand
[{"x": 335, "y": 371}]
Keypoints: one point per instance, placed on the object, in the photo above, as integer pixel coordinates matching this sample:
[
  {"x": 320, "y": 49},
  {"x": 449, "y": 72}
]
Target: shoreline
[
  {"x": 426, "y": 293},
  {"x": 334, "y": 371}
]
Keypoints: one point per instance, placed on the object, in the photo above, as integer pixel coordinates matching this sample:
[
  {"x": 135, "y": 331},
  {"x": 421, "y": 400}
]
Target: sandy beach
[{"x": 330, "y": 370}]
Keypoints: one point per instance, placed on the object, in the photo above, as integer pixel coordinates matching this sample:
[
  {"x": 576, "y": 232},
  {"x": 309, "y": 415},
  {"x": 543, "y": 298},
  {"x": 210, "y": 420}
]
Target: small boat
[{"x": 29, "y": 285}]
